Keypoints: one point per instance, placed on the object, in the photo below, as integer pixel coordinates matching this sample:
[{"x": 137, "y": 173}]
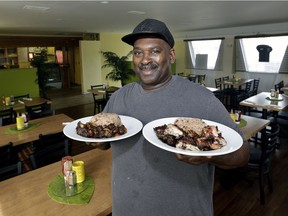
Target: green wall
[{"x": 18, "y": 82}]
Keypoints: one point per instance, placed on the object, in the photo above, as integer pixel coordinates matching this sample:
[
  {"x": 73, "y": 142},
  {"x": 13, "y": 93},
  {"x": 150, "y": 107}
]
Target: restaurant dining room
[
  {"x": 55, "y": 80},
  {"x": 236, "y": 190}
]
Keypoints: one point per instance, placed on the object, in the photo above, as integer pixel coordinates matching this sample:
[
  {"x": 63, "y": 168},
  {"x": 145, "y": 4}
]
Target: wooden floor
[{"x": 236, "y": 191}]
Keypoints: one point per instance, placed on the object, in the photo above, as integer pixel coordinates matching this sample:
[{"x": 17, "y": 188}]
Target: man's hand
[
  {"x": 194, "y": 160},
  {"x": 102, "y": 146}
]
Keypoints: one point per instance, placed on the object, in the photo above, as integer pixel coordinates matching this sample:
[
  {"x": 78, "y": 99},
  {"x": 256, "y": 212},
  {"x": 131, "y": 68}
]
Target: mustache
[{"x": 148, "y": 66}]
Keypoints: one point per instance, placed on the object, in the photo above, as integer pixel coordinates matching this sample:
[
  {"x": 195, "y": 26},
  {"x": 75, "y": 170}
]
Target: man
[{"x": 149, "y": 181}]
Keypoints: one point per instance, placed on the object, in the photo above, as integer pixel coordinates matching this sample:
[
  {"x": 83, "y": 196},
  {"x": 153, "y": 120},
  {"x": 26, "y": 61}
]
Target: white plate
[
  {"x": 234, "y": 140},
  {"x": 133, "y": 127}
]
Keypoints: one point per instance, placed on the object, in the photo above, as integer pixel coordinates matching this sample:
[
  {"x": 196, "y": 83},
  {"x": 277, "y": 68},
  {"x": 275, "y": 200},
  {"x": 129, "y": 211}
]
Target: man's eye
[
  {"x": 155, "y": 51},
  {"x": 137, "y": 53}
]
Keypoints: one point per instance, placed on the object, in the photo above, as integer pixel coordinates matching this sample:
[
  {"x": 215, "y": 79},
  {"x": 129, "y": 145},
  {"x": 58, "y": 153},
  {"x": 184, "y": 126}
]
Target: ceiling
[{"x": 78, "y": 17}]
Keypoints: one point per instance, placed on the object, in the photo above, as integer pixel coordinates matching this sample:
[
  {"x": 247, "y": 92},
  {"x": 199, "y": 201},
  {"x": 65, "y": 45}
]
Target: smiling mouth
[{"x": 148, "y": 68}]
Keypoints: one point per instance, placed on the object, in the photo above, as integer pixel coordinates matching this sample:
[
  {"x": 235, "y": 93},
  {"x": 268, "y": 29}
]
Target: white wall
[
  {"x": 267, "y": 81},
  {"x": 90, "y": 64}
]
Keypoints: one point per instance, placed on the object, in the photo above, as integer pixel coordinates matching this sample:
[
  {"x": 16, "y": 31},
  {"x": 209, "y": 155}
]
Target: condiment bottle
[
  {"x": 3, "y": 101},
  {"x": 232, "y": 115},
  {"x": 19, "y": 122},
  {"x": 25, "y": 117}
]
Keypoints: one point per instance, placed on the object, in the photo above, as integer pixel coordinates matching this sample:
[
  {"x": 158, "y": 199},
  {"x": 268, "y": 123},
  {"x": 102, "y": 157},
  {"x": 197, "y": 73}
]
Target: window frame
[
  {"x": 241, "y": 64},
  {"x": 191, "y": 62}
]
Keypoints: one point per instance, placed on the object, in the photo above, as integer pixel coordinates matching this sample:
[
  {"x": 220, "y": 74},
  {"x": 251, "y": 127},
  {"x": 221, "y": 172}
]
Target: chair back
[
  {"x": 269, "y": 142},
  {"x": 7, "y": 117},
  {"x": 11, "y": 170},
  {"x": 99, "y": 99},
  {"x": 248, "y": 86},
  {"x": 7, "y": 154},
  {"x": 10, "y": 165},
  {"x": 262, "y": 158},
  {"x": 39, "y": 110},
  {"x": 278, "y": 86},
  {"x": 256, "y": 84},
  {"x": 99, "y": 86},
  {"x": 192, "y": 78},
  {"x": 21, "y": 96},
  {"x": 254, "y": 90},
  {"x": 225, "y": 78},
  {"x": 218, "y": 83},
  {"x": 50, "y": 148}
]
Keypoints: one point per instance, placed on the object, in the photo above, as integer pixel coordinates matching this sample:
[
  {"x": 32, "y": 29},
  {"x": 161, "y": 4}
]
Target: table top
[
  {"x": 253, "y": 126},
  {"x": 47, "y": 125},
  {"x": 27, "y": 194},
  {"x": 260, "y": 101},
  {"x": 103, "y": 90},
  {"x": 235, "y": 82},
  {"x": 21, "y": 105}
]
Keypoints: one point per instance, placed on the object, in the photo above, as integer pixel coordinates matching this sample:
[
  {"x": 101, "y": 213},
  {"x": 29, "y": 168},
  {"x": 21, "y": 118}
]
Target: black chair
[
  {"x": 10, "y": 165},
  {"x": 244, "y": 93},
  {"x": 192, "y": 78},
  {"x": 50, "y": 148},
  {"x": 99, "y": 99},
  {"x": 108, "y": 94},
  {"x": 7, "y": 117},
  {"x": 39, "y": 111},
  {"x": 219, "y": 93},
  {"x": 225, "y": 78},
  {"x": 254, "y": 90},
  {"x": 278, "y": 86},
  {"x": 218, "y": 84},
  {"x": 261, "y": 156}
]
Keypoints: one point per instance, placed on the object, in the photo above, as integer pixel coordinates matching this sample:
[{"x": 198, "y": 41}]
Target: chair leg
[
  {"x": 270, "y": 181},
  {"x": 95, "y": 109},
  {"x": 261, "y": 186}
]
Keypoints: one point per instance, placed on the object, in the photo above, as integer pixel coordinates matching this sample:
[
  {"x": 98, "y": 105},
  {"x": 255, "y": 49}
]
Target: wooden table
[
  {"x": 102, "y": 91},
  {"x": 47, "y": 125},
  {"x": 27, "y": 195},
  {"x": 260, "y": 101},
  {"x": 20, "y": 106},
  {"x": 236, "y": 83},
  {"x": 253, "y": 126}
]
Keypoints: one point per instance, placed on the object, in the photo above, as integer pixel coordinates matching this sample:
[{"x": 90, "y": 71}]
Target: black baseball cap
[{"x": 150, "y": 27}]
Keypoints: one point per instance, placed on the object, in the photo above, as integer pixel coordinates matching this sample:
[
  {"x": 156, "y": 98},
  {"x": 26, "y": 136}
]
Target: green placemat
[
  {"x": 242, "y": 123},
  {"x": 274, "y": 99},
  {"x": 71, "y": 197},
  {"x": 13, "y": 129}
]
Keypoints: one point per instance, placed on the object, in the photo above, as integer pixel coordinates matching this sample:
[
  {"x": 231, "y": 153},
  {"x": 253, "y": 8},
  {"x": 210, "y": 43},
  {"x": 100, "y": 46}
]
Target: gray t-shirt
[{"x": 148, "y": 181}]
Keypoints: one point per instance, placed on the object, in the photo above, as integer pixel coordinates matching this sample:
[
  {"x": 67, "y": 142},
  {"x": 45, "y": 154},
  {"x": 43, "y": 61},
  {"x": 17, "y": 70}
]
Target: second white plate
[
  {"x": 234, "y": 140},
  {"x": 133, "y": 126}
]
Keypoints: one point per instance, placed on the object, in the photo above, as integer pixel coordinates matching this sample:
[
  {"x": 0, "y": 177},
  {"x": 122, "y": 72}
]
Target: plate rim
[
  {"x": 168, "y": 148},
  {"x": 112, "y": 139}
]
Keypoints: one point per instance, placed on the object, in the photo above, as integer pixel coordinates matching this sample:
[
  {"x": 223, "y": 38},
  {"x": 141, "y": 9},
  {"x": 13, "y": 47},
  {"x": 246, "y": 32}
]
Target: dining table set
[
  {"x": 265, "y": 103},
  {"x": 236, "y": 82},
  {"x": 19, "y": 105},
  {"x": 33, "y": 193},
  {"x": 30, "y": 193},
  {"x": 47, "y": 125}
]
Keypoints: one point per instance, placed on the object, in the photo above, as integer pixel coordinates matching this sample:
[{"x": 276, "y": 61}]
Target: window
[
  {"x": 266, "y": 54},
  {"x": 206, "y": 54}
]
